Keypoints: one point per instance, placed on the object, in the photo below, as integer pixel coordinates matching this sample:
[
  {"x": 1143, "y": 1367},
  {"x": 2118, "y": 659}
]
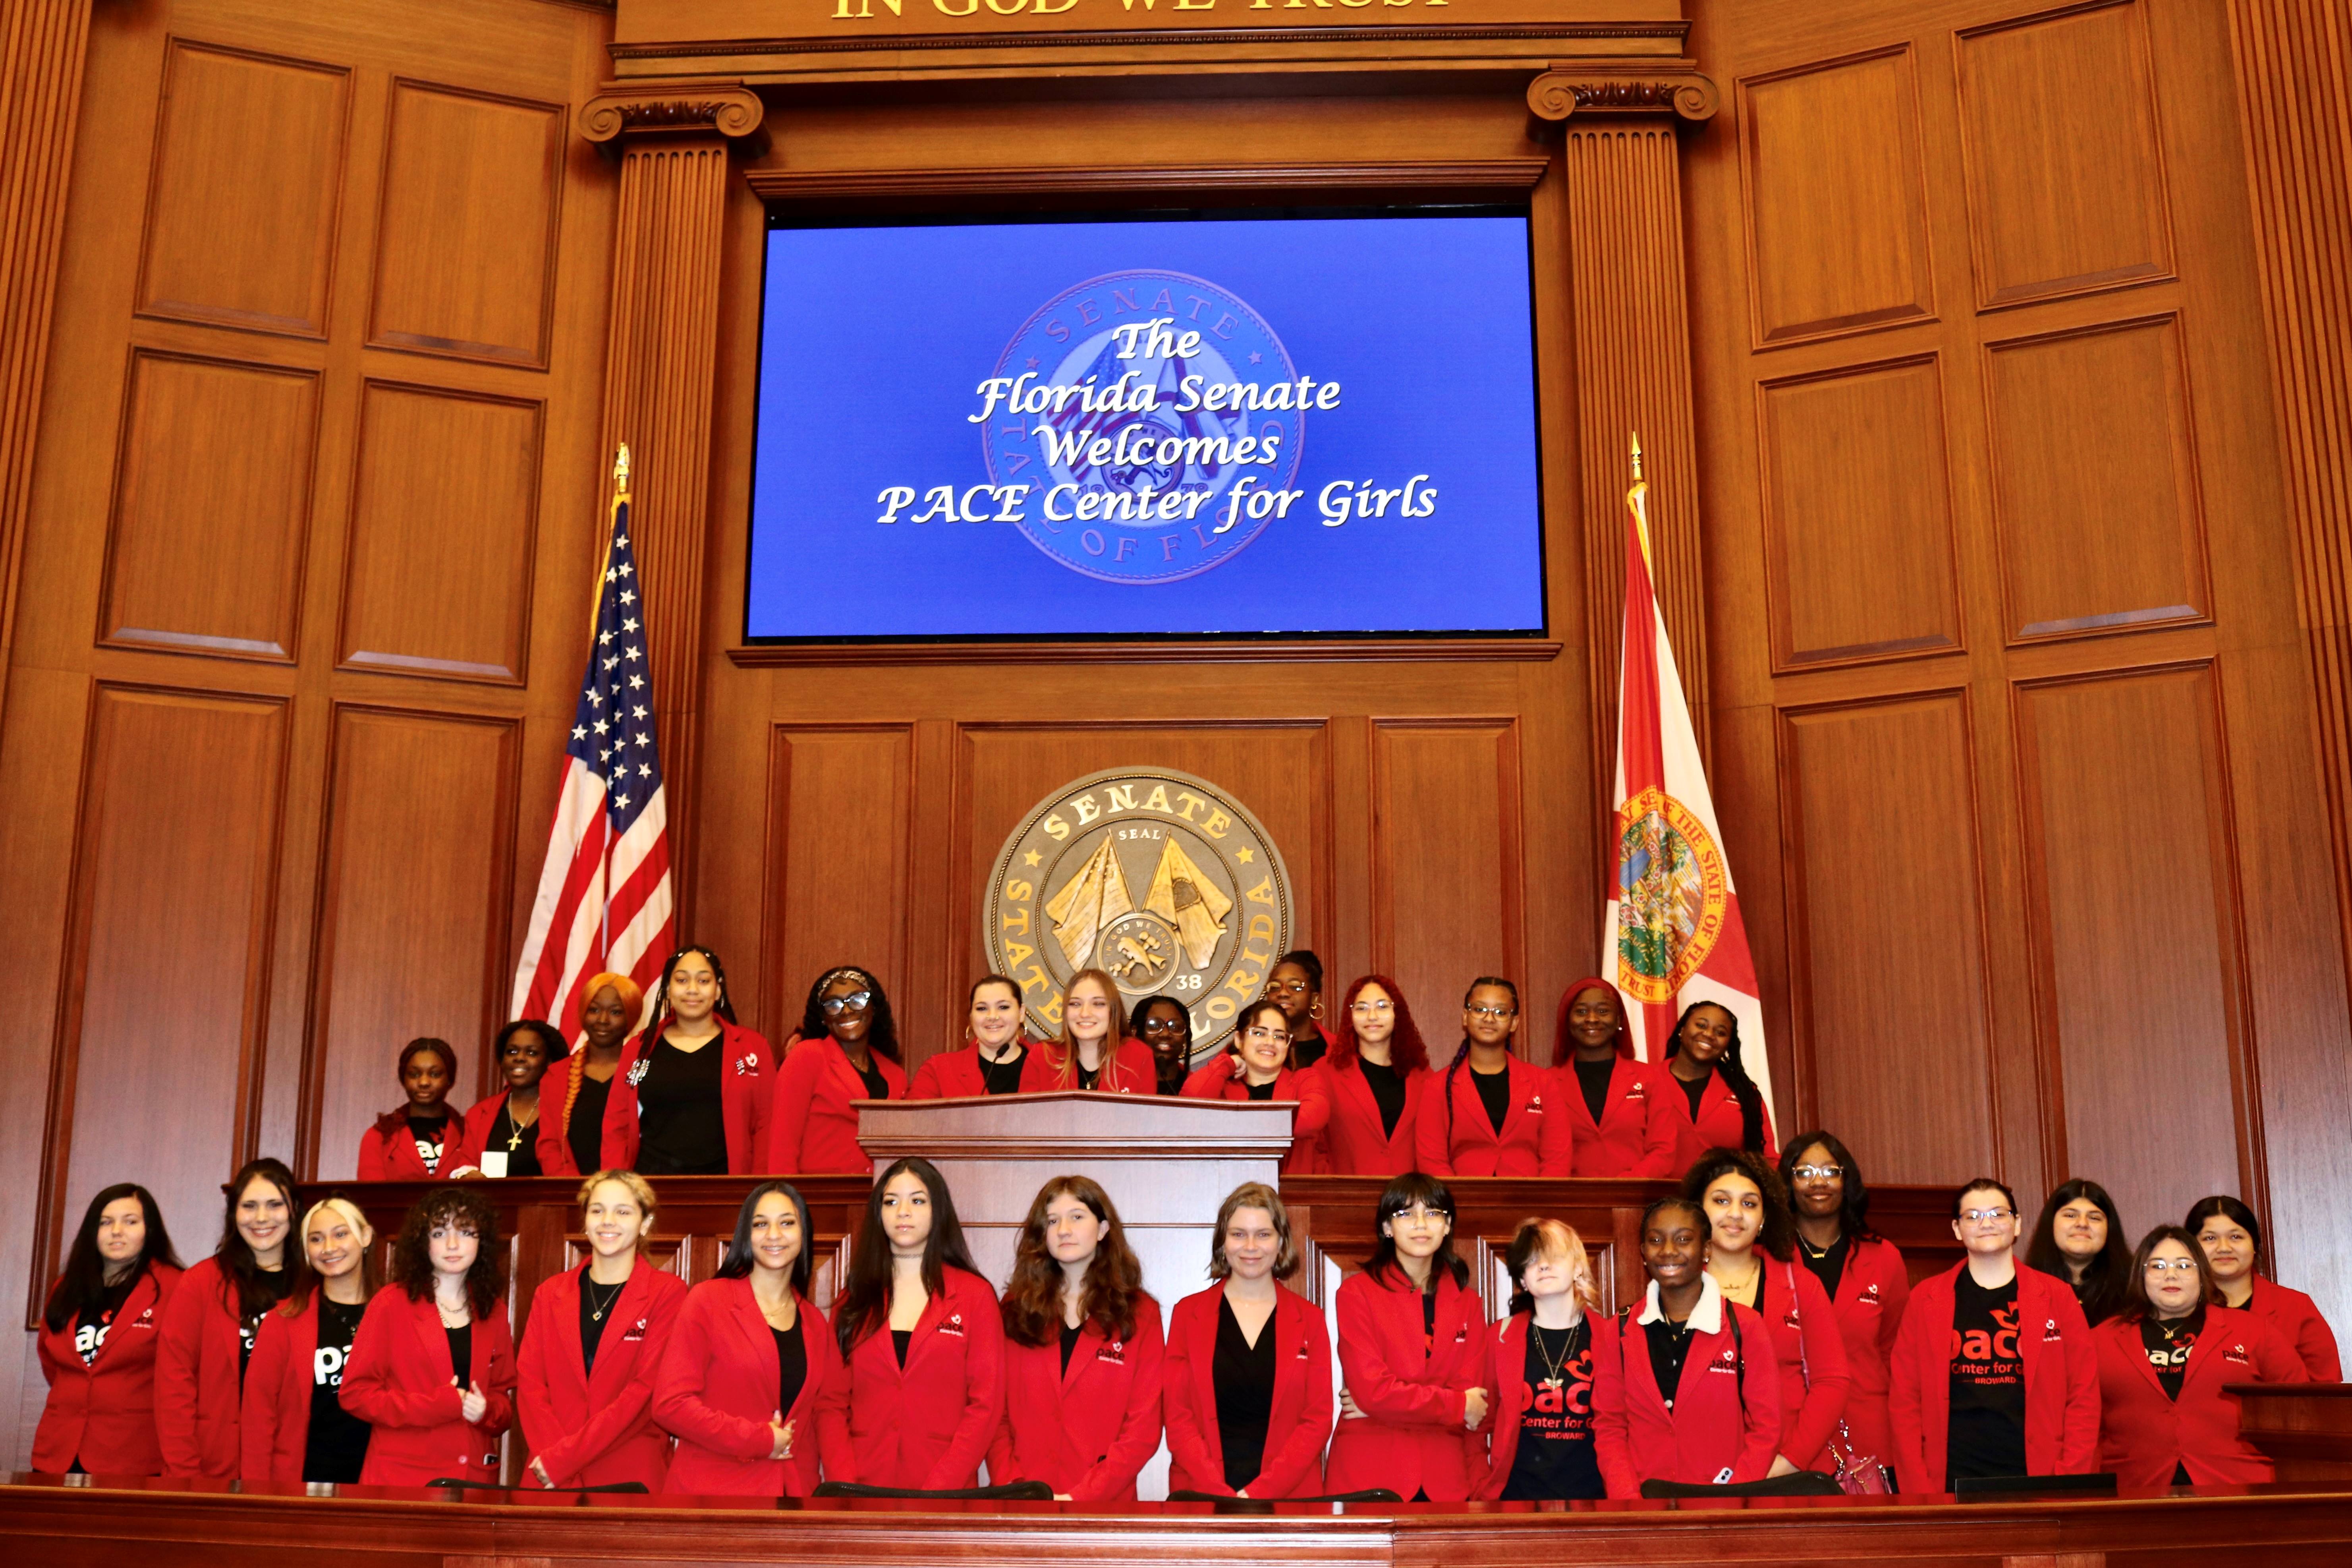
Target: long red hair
[
  {"x": 1563, "y": 1049},
  {"x": 1407, "y": 1054}
]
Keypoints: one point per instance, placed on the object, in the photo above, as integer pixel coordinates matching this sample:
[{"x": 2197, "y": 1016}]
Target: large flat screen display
[{"x": 1196, "y": 425}]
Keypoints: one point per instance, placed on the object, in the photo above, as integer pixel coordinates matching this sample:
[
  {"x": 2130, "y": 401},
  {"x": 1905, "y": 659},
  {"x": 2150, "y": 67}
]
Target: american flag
[{"x": 604, "y": 903}]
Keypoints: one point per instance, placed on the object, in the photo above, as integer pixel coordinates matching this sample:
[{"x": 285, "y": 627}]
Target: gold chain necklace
[
  {"x": 1552, "y": 1364},
  {"x": 598, "y": 1315}
]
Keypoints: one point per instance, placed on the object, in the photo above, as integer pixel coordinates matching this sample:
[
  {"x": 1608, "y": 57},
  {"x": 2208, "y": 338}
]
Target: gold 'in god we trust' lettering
[{"x": 865, "y": 11}]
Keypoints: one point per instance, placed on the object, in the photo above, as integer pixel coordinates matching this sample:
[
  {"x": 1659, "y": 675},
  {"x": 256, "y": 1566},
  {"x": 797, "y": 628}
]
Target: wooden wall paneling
[
  {"x": 1860, "y": 556},
  {"x": 2098, "y": 506},
  {"x": 210, "y": 523},
  {"x": 2133, "y": 902},
  {"x": 1448, "y": 888},
  {"x": 1888, "y": 980},
  {"x": 440, "y": 551},
  {"x": 466, "y": 224},
  {"x": 839, "y": 863},
  {"x": 1835, "y": 198},
  {"x": 2065, "y": 160},
  {"x": 166, "y": 972},
  {"x": 245, "y": 190},
  {"x": 414, "y": 896}
]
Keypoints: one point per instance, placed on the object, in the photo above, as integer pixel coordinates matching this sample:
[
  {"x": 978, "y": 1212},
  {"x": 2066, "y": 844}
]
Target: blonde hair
[
  {"x": 1109, "y": 1077},
  {"x": 639, "y": 1189},
  {"x": 1252, "y": 1196},
  {"x": 341, "y": 1209},
  {"x": 1540, "y": 1239}
]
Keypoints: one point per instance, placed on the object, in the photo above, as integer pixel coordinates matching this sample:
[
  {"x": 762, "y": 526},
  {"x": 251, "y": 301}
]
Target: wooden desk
[{"x": 2305, "y": 1428}]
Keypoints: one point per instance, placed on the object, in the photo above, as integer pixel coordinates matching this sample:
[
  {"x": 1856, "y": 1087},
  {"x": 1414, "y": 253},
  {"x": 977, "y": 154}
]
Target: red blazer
[
  {"x": 955, "y": 1075},
  {"x": 1304, "y": 1087},
  {"x": 1871, "y": 1296},
  {"x": 1810, "y": 1351},
  {"x": 481, "y": 1118},
  {"x": 717, "y": 1390},
  {"x": 1300, "y": 1423},
  {"x": 1535, "y": 1141},
  {"x": 555, "y": 1157},
  {"x": 397, "y": 1381},
  {"x": 594, "y": 1428},
  {"x": 2296, "y": 1322},
  {"x": 1503, "y": 1375},
  {"x": 393, "y": 1157},
  {"x": 1636, "y": 1135},
  {"x": 1040, "y": 1072},
  {"x": 104, "y": 1414},
  {"x": 1086, "y": 1432},
  {"x": 1725, "y": 1424},
  {"x": 2144, "y": 1435},
  {"x": 198, "y": 1375},
  {"x": 1354, "y": 1141},
  {"x": 928, "y": 1424},
  {"x": 1410, "y": 1388},
  {"x": 743, "y": 1079},
  {"x": 1719, "y": 1125},
  {"x": 274, "y": 1434},
  {"x": 811, "y": 1125},
  {"x": 2061, "y": 1380}
]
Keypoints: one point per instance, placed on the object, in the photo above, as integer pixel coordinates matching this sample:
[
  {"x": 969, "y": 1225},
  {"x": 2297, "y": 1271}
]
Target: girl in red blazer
[
  {"x": 432, "y": 1369},
  {"x": 1248, "y": 1373},
  {"x": 1617, "y": 1112},
  {"x": 294, "y": 1426},
  {"x": 749, "y": 1360},
  {"x": 1377, "y": 1077},
  {"x": 1538, "y": 1372},
  {"x": 571, "y": 1116},
  {"x": 1081, "y": 1353},
  {"x": 1498, "y": 1118},
  {"x": 1413, "y": 1350},
  {"x": 1751, "y": 1255},
  {"x": 1296, "y": 982},
  {"x": 2231, "y": 1240},
  {"x": 421, "y": 1139},
  {"x": 2166, "y": 1418},
  {"x": 96, "y": 1345},
  {"x": 2013, "y": 1342},
  {"x": 1256, "y": 1069},
  {"x": 1083, "y": 1057},
  {"x": 1711, "y": 1102},
  {"x": 1684, "y": 1391},
  {"x": 993, "y": 1053},
  {"x": 692, "y": 1094},
  {"x": 848, "y": 1052},
  {"x": 215, "y": 1312},
  {"x": 586, "y": 1373},
  {"x": 1864, "y": 1275},
  {"x": 923, "y": 1341},
  {"x": 502, "y": 1132}
]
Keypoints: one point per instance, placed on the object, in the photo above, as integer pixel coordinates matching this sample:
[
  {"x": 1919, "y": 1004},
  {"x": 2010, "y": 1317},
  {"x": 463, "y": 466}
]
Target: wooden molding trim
[
  {"x": 1501, "y": 176},
  {"x": 651, "y": 108},
  {"x": 1677, "y": 89},
  {"x": 1270, "y": 43},
  {"x": 1465, "y": 650}
]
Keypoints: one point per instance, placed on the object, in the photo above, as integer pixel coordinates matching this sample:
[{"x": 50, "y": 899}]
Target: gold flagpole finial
[
  {"x": 621, "y": 470},
  {"x": 1637, "y": 454}
]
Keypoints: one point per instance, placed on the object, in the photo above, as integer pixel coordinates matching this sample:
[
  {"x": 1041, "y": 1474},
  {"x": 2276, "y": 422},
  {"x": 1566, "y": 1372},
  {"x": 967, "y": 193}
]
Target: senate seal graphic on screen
[
  {"x": 1162, "y": 881},
  {"x": 1159, "y": 419}
]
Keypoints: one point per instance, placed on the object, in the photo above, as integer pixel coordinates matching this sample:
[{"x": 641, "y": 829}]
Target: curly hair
[
  {"x": 1033, "y": 1295},
  {"x": 1778, "y": 1236},
  {"x": 412, "y": 1252}
]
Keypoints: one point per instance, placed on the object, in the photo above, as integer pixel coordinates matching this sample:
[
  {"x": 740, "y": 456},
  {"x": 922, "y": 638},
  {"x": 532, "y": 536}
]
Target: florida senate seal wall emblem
[{"x": 1161, "y": 879}]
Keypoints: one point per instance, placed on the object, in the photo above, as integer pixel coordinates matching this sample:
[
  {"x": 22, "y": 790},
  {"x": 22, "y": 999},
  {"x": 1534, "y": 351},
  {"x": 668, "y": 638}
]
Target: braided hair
[
  {"x": 1733, "y": 1074},
  {"x": 661, "y": 1014},
  {"x": 881, "y": 1036},
  {"x": 1462, "y": 1055}
]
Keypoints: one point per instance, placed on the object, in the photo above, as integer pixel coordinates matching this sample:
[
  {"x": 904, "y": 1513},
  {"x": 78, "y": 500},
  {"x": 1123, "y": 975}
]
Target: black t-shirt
[
  {"x": 1695, "y": 1090},
  {"x": 1387, "y": 1085},
  {"x": 1495, "y": 1090},
  {"x": 431, "y": 1134},
  {"x": 1260, "y": 1090},
  {"x": 2167, "y": 1353},
  {"x": 1555, "y": 1457},
  {"x": 1669, "y": 1346},
  {"x": 275, "y": 1286},
  {"x": 585, "y": 1131},
  {"x": 682, "y": 1119},
  {"x": 1169, "y": 1076},
  {"x": 1069, "y": 1343},
  {"x": 1001, "y": 1078},
  {"x": 519, "y": 1144},
  {"x": 1593, "y": 1078},
  {"x": 1309, "y": 1047},
  {"x": 876, "y": 1085},
  {"x": 792, "y": 1365},
  {"x": 900, "y": 1339},
  {"x": 1987, "y": 1431},
  {"x": 1089, "y": 1076},
  {"x": 596, "y": 1304},
  {"x": 91, "y": 1323},
  {"x": 1829, "y": 1268},
  {"x": 461, "y": 1354},
  {"x": 1243, "y": 1376},
  {"x": 338, "y": 1441}
]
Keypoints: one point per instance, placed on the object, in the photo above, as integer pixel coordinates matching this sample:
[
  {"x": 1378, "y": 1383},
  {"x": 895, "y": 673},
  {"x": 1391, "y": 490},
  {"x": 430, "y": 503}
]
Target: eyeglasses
[
  {"x": 1383, "y": 1006},
  {"x": 2166, "y": 1265},
  {"x": 1490, "y": 1012},
  {"x": 1421, "y": 1214},
  {"x": 1985, "y": 1216},
  {"x": 1819, "y": 1172},
  {"x": 857, "y": 1001},
  {"x": 1297, "y": 985}
]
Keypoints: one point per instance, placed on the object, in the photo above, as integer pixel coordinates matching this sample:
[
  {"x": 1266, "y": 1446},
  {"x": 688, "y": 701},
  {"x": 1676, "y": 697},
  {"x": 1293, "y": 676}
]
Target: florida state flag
[{"x": 1673, "y": 935}]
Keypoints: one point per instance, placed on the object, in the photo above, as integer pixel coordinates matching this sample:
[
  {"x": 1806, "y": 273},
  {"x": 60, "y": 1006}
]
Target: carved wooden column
[
  {"x": 675, "y": 141},
  {"x": 2296, "y": 107},
  {"x": 42, "y": 46},
  {"x": 1630, "y": 313}
]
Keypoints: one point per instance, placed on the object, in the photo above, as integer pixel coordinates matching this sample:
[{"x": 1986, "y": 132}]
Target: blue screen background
[{"x": 875, "y": 341}]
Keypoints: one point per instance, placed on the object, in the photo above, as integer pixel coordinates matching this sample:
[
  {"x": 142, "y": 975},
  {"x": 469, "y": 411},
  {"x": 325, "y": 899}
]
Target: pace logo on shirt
[
  {"x": 1113, "y": 1351},
  {"x": 1989, "y": 1358},
  {"x": 1535, "y": 1105},
  {"x": 2236, "y": 1356},
  {"x": 748, "y": 1066},
  {"x": 91, "y": 1337},
  {"x": 636, "y": 1332},
  {"x": 327, "y": 1366},
  {"x": 953, "y": 1327},
  {"x": 1869, "y": 1297},
  {"x": 1728, "y": 1362},
  {"x": 2051, "y": 1334}
]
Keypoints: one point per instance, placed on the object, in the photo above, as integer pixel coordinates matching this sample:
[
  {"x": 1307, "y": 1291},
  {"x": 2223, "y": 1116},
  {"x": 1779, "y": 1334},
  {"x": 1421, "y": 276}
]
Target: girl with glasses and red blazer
[
  {"x": 1248, "y": 1372},
  {"x": 1377, "y": 1077},
  {"x": 848, "y": 1052},
  {"x": 2232, "y": 1239},
  {"x": 1083, "y": 1352},
  {"x": 1685, "y": 1389},
  {"x": 1413, "y": 1348},
  {"x": 1258, "y": 1068},
  {"x": 214, "y": 1314},
  {"x": 922, "y": 1344},
  {"x": 1617, "y": 1111},
  {"x": 691, "y": 1096},
  {"x": 2166, "y": 1416},
  {"x": 1868, "y": 1284},
  {"x": 294, "y": 1426},
  {"x": 750, "y": 1360},
  {"x": 1711, "y": 1102},
  {"x": 97, "y": 1343},
  {"x": 585, "y": 1388},
  {"x": 1499, "y": 1117}
]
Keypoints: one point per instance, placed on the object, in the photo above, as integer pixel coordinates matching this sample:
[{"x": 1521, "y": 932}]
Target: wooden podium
[{"x": 2305, "y": 1428}]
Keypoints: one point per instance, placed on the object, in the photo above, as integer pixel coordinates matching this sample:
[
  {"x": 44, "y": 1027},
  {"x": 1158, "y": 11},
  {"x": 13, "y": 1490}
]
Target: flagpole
[{"x": 596, "y": 607}]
